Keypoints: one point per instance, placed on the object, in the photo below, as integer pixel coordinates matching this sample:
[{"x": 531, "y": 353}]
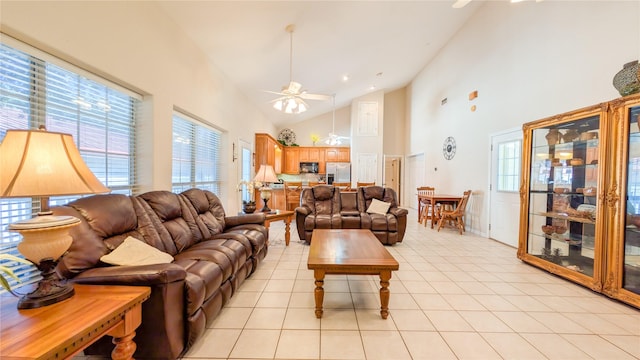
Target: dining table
[{"x": 437, "y": 201}]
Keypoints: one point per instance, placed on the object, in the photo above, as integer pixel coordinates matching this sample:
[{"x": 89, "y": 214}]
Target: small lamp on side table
[
  {"x": 38, "y": 163},
  {"x": 266, "y": 175}
]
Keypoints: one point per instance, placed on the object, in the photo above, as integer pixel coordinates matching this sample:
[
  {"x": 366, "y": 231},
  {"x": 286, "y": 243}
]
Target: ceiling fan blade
[
  {"x": 314, "y": 96},
  {"x": 280, "y": 98},
  {"x": 460, "y": 4},
  {"x": 274, "y": 92}
]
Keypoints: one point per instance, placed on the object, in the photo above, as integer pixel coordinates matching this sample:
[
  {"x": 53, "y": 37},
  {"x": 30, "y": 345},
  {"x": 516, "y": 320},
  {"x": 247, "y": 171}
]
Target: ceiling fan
[
  {"x": 334, "y": 139},
  {"x": 291, "y": 100}
]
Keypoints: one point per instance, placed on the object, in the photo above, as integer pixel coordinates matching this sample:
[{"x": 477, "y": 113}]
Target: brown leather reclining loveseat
[
  {"x": 213, "y": 254},
  {"x": 326, "y": 207}
]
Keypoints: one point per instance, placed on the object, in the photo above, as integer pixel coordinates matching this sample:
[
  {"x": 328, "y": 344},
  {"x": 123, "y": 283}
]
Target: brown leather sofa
[
  {"x": 326, "y": 207},
  {"x": 213, "y": 254}
]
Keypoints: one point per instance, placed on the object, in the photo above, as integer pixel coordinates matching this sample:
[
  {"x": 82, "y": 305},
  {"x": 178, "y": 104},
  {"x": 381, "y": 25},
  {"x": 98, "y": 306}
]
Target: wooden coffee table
[
  {"x": 62, "y": 330},
  {"x": 349, "y": 252}
]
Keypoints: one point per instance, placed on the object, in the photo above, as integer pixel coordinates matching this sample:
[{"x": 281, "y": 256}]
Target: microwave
[{"x": 308, "y": 167}]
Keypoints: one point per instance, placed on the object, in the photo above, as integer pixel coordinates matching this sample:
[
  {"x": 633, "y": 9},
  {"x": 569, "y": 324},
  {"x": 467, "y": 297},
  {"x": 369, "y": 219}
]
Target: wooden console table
[{"x": 62, "y": 330}]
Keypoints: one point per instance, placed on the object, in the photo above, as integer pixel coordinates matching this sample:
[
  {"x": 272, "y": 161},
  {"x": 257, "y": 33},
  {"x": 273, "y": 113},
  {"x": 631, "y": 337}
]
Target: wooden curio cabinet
[
  {"x": 580, "y": 193},
  {"x": 622, "y": 277}
]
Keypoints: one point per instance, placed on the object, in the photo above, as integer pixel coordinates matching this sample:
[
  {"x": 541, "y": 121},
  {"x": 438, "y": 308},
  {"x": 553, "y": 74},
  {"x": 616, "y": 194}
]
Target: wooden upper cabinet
[
  {"x": 291, "y": 160},
  {"x": 338, "y": 154},
  {"x": 311, "y": 154},
  {"x": 269, "y": 152}
]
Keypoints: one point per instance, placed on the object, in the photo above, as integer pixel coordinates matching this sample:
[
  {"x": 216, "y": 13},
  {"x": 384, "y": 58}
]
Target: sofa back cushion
[
  {"x": 174, "y": 217},
  {"x": 368, "y": 193},
  {"x": 325, "y": 200},
  {"x": 207, "y": 211},
  {"x": 106, "y": 220}
]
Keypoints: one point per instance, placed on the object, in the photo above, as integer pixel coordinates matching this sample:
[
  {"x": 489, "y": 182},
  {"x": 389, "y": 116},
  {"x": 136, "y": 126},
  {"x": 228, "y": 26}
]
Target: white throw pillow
[
  {"x": 378, "y": 207},
  {"x": 135, "y": 252}
]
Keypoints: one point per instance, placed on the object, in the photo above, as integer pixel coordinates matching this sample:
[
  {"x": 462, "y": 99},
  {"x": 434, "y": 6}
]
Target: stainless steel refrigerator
[{"x": 338, "y": 172}]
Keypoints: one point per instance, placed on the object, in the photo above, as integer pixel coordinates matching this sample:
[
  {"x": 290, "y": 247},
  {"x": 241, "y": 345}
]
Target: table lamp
[
  {"x": 265, "y": 175},
  {"x": 38, "y": 163}
]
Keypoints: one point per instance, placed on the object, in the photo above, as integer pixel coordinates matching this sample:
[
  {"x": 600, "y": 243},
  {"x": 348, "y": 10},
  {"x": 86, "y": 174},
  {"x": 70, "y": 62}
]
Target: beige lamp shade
[
  {"x": 43, "y": 163},
  {"x": 266, "y": 174}
]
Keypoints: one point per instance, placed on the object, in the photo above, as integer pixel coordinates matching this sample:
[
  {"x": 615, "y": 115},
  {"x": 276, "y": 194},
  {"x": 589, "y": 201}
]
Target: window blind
[
  {"x": 509, "y": 166},
  {"x": 196, "y": 155},
  {"x": 101, "y": 119}
]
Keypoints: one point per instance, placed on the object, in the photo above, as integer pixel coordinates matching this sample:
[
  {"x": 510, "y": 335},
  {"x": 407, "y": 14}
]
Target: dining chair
[
  {"x": 344, "y": 186},
  {"x": 425, "y": 209},
  {"x": 314, "y": 183},
  {"x": 361, "y": 184},
  {"x": 292, "y": 190},
  {"x": 455, "y": 216}
]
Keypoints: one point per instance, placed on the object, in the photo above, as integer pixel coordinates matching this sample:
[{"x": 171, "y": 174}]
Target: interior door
[
  {"x": 414, "y": 178},
  {"x": 392, "y": 175},
  {"x": 504, "y": 201}
]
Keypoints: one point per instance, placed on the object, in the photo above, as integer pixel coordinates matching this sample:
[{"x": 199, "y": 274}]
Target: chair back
[
  {"x": 314, "y": 183},
  {"x": 361, "y": 184},
  {"x": 426, "y": 190},
  {"x": 292, "y": 190},
  {"x": 462, "y": 205},
  {"x": 343, "y": 186}
]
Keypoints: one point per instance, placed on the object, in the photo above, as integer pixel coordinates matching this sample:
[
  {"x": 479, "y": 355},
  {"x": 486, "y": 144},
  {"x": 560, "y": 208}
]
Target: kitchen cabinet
[
  {"x": 338, "y": 154},
  {"x": 291, "y": 160},
  {"x": 268, "y": 151},
  {"x": 277, "y": 200},
  {"x": 294, "y": 155},
  {"x": 311, "y": 154},
  {"x": 577, "y": 170}
]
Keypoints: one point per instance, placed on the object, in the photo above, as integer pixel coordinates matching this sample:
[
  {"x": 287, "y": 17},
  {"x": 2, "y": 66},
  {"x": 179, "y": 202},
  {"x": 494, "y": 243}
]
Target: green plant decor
[{"x": 6, "y": 271}]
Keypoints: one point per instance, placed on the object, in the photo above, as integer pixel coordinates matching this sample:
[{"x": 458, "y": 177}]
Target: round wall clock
[
  {"x": 287, "y": 136},
  {"x": 449, "y": 148}
]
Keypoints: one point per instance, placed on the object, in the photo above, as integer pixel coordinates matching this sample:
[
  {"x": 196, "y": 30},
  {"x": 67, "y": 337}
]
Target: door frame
[
  {"x": 400, "y": 190},
  {"x": 516, "y": 130},
  {"x": 243, "y": 144}
]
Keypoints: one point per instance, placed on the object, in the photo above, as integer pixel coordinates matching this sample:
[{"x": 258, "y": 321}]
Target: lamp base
[
  {"x": 50, "y": 289},
  {"x": 265, "y": 208}
]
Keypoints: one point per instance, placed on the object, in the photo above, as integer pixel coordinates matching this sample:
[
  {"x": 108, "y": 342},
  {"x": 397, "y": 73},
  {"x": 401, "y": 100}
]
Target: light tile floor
[{"x": 454, "y": 297}]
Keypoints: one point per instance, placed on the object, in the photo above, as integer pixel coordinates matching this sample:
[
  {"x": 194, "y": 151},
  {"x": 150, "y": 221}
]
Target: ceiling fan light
[
  {"x": 302, "y": 107},
  {"x": 278, "y": 105}
]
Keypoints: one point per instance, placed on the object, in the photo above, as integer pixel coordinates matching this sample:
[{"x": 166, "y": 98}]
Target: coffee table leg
[
  {"x": 385, "y": 276},
  {"x": 319, "y": 292},
  {"x": 287, "y": 233},
  {"x": 125, "y": 347}
]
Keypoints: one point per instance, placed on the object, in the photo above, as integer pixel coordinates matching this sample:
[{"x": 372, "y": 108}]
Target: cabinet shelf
[{"x": 564, "y": 216}]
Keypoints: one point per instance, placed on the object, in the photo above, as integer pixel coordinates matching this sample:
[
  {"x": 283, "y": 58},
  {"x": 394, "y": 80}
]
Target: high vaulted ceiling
[{"x": 381, "y": 44}]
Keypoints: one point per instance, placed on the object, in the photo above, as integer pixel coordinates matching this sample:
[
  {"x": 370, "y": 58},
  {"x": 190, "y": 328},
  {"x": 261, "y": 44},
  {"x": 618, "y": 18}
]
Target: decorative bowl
[
  {"x": 576, "y": 161},
  {"x": 548, "y": 229}
]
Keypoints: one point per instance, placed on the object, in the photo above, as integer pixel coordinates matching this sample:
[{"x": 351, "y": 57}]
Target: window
[
  {"x": 196, "y": 155},
  {"x": 36, "y": 89},
  {"x": 509, "y": 155}
]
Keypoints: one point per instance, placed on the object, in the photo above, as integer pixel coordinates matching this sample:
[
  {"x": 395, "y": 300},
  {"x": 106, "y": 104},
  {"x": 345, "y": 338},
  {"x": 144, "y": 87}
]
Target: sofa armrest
[
  {"x": 231, "y": 221},
  {"x": 133, "y": 275},
  {"x": 398, "y": 212}
]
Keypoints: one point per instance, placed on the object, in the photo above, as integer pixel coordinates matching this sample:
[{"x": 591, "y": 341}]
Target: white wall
[
  {"x": 527, "y": 60},
  {"x": 136, "y": 45},
  {"x": 322, "y": 125}
]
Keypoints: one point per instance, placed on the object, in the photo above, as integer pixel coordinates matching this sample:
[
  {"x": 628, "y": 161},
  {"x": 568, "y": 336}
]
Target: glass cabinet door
[
  {"x": 562, "y": 197},
  {"x": 631, "y": 258}
]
